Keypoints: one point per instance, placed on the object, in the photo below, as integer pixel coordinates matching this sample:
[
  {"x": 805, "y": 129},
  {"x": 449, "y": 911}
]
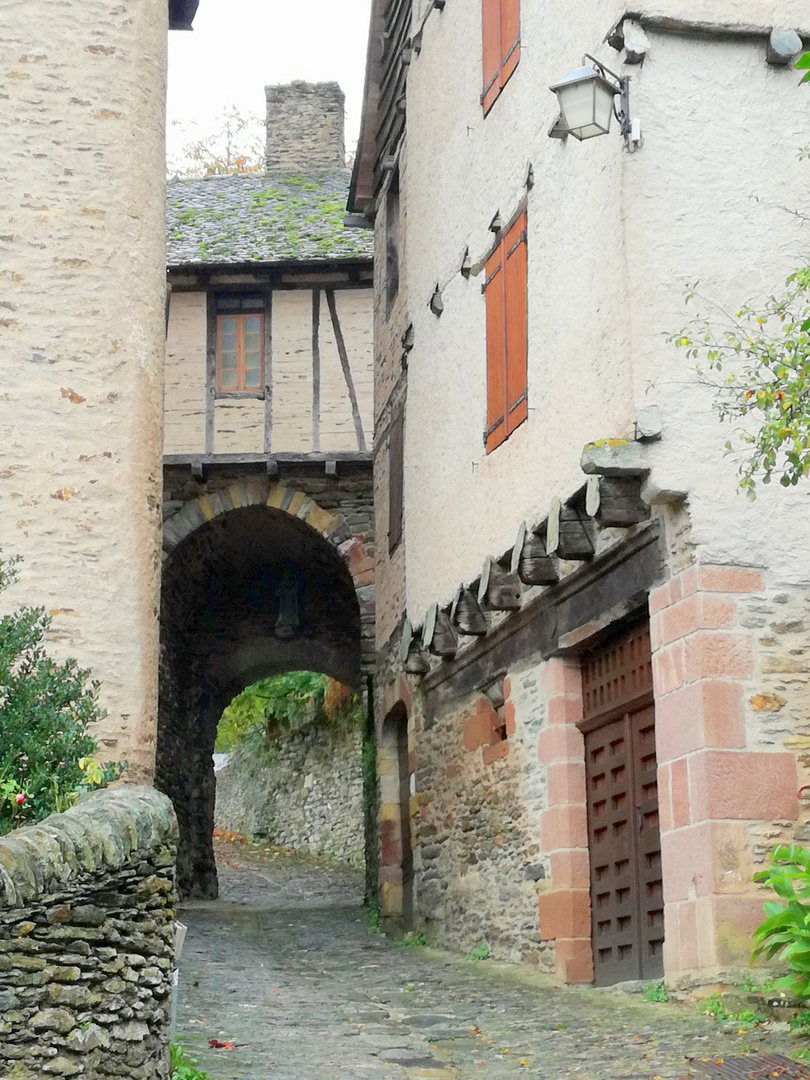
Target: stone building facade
[
  {"x": 592, "y": 680},
  {"x": 268, "y": 537},
  {"x": 82, "y": 302}
]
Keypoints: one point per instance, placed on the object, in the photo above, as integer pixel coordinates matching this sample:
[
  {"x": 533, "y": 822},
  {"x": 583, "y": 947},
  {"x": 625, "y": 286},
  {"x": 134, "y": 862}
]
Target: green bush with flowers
[{"x": 46, "y": 709}]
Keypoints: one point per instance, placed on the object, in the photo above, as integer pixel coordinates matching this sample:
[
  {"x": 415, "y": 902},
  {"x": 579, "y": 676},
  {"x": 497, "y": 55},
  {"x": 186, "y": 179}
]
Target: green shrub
[
  {"x": 46, "y": 752},
  {"x": 654, "y": 991},
  {"x": 480, "y": 952},
  {"x": 183, "y": 1066},
  {"x": 786, "y": 930}
]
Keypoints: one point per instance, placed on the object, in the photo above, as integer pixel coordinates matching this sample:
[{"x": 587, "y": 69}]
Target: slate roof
[{"x": 261, "y": 218}]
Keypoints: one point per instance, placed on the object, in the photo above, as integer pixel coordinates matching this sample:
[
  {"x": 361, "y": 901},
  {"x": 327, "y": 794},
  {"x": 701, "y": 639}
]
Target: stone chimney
[{"x": 305, "y": 127}]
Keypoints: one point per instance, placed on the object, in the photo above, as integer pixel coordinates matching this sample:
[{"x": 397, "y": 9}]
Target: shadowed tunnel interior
[{"x": 254, "y": 592}]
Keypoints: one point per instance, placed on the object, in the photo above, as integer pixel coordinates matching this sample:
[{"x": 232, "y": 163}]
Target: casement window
[
  {"x": 396, "y": 462},
  {"x": 240, "y": 343},
  {"x": 507, "y": 347},
  {"x": 501, "y": 46}
]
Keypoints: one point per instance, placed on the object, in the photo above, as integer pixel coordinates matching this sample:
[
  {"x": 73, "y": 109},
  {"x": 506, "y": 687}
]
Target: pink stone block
[
  {"x": 739, "y": 579},
  {"x": 561, "y": 742},
  {"x": 718, "y": 653},
  {"x": 566, "y": 782},
  {"x": 743, "y": 785},
  {"x": 660, "y": 598},
  {"x": 681, "y": 619}
]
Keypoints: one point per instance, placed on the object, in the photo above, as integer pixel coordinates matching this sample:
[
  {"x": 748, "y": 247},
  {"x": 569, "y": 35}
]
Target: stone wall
[
  {"x": 87, "y": 933},
  {"x": 305, "y": 127},
  {"x": 82, "y": 333},
  {"x": 307, "y": 796},
  {"x": 479, "y": 800}
]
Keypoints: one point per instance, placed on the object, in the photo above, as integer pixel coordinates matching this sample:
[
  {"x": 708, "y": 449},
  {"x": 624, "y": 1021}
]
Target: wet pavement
[{"x": 284, "y": 967}]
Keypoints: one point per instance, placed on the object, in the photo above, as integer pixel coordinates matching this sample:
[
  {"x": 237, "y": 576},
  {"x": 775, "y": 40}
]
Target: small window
[
  {"x": 507, "y": 335},
  {"x": 240, "y": 352},
  {"x": 501, "y": 21},
  {"x": 396, "y": 462},
  {"x": 392, "y": 242}
]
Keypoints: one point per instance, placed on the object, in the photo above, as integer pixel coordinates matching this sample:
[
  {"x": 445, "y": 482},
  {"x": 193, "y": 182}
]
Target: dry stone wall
[
  {"x": 87, "y": 903},
  {"x": 309, "y": 797}
]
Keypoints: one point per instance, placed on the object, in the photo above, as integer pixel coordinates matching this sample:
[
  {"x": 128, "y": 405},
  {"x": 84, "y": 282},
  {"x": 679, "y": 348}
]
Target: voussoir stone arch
[{"x": 259, "y": 492}]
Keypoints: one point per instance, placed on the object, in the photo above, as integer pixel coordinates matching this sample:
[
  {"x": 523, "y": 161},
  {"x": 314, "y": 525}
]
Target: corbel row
[{"x": 568, "y": 534}]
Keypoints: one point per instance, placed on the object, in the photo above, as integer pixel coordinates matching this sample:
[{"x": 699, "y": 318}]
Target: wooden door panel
[{"x": 622, "y": 801}]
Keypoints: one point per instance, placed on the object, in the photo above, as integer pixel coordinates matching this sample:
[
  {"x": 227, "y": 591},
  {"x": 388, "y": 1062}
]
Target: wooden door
[{"x": 623, "y": 830}]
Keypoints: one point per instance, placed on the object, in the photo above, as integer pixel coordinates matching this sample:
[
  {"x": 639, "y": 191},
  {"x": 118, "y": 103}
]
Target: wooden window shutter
[
  {"x": 396, "y": 469},
  {"x": 492, "y": 52},
  {"x": 510, "y": 38},
  {"x": 515, "y": 303},
  {"x": 496, "y": 430}
]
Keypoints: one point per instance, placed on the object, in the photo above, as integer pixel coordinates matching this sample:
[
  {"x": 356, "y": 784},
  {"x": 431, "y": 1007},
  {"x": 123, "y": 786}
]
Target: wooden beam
[
  {"x": 267, "y": 441},
  {"x": 347, "y": 371},
  {"x": 467, "y": 614},
  {"x": 618, "y": 580},
  {"x": 316, "y": 369},
  {"x": 285, "y": 458},
  {"x": 620, "y": 502},
  {"x": 530, "y": 561},
  {"x": 210, "y": 372},
  {"x": 498, "y": 589}
]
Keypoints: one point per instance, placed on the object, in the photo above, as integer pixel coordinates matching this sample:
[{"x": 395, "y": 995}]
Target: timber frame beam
[{"x": 611, "y": 586}]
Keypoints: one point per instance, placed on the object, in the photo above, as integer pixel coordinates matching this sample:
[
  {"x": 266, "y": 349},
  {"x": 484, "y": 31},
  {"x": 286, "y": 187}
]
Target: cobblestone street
[{"x": 284, "y": 967}]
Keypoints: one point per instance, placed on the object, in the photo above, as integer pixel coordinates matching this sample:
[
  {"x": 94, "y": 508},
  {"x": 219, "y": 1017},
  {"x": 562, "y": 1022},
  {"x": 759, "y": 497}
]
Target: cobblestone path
[{"x": 284, "y": 967}]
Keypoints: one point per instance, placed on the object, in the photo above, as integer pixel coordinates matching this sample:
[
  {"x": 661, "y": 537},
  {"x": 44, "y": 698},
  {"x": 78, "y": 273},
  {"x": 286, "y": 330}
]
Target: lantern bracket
[{"x": 622, "y": 113}]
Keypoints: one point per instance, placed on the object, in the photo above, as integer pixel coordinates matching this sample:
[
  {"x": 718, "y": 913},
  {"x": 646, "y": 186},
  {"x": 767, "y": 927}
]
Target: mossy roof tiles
[{"x": 261, "y": 218}]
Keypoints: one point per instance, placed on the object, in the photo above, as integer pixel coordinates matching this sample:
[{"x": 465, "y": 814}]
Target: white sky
[{"x": 239, "y": 46}]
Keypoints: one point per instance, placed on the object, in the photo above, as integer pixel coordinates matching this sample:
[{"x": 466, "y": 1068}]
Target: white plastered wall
[{"x": 612, "y": 240}]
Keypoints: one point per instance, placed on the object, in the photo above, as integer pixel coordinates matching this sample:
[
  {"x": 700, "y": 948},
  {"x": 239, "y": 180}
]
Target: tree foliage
[
  {"x": 235, "y": 144},
  {"x": 46, "y": 708},
  {"x": 267, "y": 709},
  {"x": 758, "y": 360}
]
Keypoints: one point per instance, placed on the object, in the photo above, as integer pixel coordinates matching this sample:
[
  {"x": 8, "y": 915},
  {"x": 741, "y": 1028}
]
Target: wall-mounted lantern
[{"x": 587, "y": 97}]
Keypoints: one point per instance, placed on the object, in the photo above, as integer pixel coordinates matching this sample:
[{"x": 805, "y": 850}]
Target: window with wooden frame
[
  {"x": 501, "y": 19},
  {"x": 505, "y": 290},
  {"x": 240, "y": 343}
]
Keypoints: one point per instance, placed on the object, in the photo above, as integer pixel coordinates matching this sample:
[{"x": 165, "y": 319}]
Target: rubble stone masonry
[
  {"x": 307, "y": 795},
  {"x": 87, "y": 940},
  {"x": 480, "y": 800}
]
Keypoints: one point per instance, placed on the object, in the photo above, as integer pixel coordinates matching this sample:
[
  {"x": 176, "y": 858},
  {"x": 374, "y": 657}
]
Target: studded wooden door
[{"x": 623, "y": 831}]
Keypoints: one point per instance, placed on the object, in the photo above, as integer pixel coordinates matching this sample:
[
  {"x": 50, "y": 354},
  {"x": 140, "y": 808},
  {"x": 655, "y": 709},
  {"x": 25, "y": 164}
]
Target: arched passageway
[
  {"x": 396, "y": 863},
  {"x": 252, "y": 592}
]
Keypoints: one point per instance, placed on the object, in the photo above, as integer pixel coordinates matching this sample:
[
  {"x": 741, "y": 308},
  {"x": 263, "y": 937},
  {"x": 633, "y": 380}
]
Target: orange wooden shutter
[
  {"x": 492, "y": 52},
  {"x": 496, "y": 351},
  {"x": 510, "y": 38},
  {"x": 515, "y": 303}
]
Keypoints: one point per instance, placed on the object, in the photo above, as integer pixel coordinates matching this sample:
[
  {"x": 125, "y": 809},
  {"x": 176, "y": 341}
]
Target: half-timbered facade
[
  {"x": 269, "y": 350},
  {"x": 592, "y": 680}
]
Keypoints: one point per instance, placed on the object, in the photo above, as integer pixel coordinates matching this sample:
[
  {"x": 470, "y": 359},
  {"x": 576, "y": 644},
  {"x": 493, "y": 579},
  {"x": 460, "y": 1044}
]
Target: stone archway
[
  {"x": 396, "y": 861},
  {"x": 257, "y": 580}
]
